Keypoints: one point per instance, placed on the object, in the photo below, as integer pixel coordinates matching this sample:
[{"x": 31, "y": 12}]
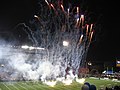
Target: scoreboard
[{"x": 117, "y": 63}]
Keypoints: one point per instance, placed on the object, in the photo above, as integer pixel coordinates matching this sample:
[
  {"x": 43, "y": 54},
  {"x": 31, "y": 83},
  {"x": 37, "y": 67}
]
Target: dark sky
[
  {"x": 107, "y": 48},
  {"x": 106, "y": 45},
  {"x": 13, "y": 12}
]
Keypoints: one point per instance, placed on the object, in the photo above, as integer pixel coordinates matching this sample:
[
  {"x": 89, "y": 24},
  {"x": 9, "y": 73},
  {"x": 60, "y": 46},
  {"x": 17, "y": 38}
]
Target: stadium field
[{"x": 28, "y": 85}]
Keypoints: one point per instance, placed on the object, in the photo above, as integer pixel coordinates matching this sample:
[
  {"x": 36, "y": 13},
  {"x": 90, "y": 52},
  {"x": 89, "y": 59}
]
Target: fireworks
[
  {"x": 47, "y": 2},
  {"x": 62, "y": 25},
  {"x": 62, "y": 8},
  {"x": 62, "y": 37}
]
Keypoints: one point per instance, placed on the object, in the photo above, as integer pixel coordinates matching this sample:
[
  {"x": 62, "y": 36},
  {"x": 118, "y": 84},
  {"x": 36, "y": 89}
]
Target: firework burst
[{"x": 64, "y": 36}]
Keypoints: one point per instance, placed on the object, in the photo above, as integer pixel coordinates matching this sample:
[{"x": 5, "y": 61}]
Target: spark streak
[
  {"x": 77, "y": 10},
  {"x": 87, "y": 29},
  {"x": 77, "y": 22},
  {"x": 47, "y": 2},
  {"x": 81, "y": 39},
  {"x": 91, "y": 27},
  {"x": 62, "y": 8},
  {"x": 53, "y": 7},
  {"x": 68, "y": 10},
  {"x": 82, "y": 18},
  {"x": 91, "y": 36}
]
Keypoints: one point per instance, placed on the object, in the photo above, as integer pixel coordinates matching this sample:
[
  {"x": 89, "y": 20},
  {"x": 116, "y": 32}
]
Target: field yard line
[
  {"x": 29, "y": 86},
  {"x": 15, "y": 87},
  {"x": 33, "y": 87},
  {"x": 40, "y": 85},
  {"x": 37, "y": 86},
  {"x": 22, "y": 86},
  {"x": 6, "y": 86}
]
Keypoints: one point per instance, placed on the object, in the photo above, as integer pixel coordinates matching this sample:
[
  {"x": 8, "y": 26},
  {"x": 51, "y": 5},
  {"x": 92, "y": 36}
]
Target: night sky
[{"x": 105, "y": 46}]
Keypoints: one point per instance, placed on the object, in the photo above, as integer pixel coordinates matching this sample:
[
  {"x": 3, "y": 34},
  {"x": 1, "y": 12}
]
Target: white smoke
[{"x": 15, "y": 64}]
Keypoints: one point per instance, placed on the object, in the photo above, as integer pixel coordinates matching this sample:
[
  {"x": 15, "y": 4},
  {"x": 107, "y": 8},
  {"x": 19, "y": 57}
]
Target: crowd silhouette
[{"x": 88, "y": 86}]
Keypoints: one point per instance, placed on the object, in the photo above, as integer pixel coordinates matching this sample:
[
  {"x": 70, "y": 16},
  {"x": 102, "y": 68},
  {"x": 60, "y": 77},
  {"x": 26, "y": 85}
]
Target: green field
[{"x": 59, "y": 86}]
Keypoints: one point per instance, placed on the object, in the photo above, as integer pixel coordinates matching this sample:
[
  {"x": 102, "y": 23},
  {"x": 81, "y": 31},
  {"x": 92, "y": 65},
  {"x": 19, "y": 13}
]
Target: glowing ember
[
  {"x": 81, "y": 81},
  {"x": 67, "y": 81},
  {"x": 50, "y": 83}
]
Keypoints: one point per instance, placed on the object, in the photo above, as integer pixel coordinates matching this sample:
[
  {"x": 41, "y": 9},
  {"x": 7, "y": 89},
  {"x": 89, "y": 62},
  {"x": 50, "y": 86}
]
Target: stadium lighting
[
  {"x": 40, "y": 48},
  {"x": 25, "y": 47},
  {"x": 65, "y": 43},
  {"x": 31, "y": 47}
]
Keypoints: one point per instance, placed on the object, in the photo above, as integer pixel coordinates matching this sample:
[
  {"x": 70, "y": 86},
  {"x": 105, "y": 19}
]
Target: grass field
[{"x": 59, "y": 86}]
